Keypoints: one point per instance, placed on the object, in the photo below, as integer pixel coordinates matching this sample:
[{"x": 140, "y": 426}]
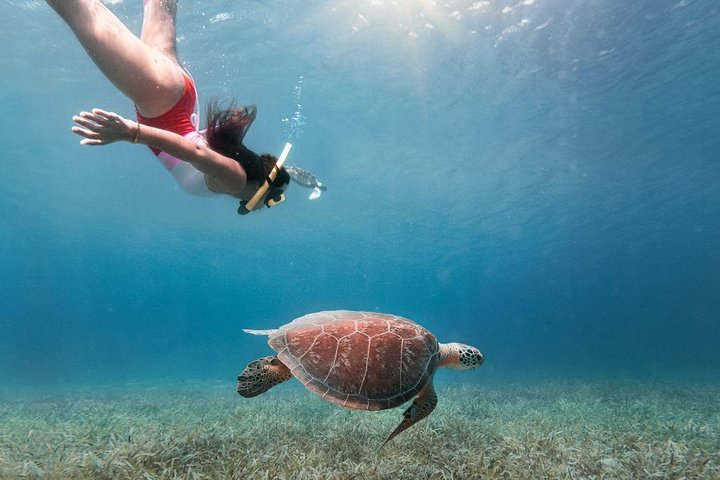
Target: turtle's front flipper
[
  {"x": 421, "y": 407},
  {"x": 261, "y": 375}
]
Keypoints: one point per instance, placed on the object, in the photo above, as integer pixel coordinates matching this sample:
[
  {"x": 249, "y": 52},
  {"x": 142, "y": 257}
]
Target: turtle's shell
[{"x": 360, "y": 360}]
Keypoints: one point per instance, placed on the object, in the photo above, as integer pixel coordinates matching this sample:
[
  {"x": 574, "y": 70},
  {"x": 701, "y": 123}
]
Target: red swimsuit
[{"x": 179, "y": 118}]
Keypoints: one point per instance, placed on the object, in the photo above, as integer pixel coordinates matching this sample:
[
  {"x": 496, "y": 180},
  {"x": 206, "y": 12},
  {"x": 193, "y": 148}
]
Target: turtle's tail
[{"x": 259, "y": 332}]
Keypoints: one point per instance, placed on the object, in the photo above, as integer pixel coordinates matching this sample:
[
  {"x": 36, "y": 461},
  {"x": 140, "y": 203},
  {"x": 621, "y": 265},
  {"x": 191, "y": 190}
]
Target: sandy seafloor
[{"x": 618, "y": 429}]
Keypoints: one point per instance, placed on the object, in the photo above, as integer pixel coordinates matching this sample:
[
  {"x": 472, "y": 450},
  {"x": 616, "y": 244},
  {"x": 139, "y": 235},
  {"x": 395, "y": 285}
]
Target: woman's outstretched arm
[{"x": 99, "y": 127}]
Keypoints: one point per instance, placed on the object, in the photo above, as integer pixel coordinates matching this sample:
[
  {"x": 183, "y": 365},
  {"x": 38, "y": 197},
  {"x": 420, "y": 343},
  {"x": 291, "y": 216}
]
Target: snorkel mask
[{"x": 269, "y": 196}]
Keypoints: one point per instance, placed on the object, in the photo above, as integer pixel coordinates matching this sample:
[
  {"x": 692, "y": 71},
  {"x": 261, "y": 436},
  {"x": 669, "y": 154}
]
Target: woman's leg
[
  {"x": 148, "y": 76},
  {"x": 158, "y": 29}
]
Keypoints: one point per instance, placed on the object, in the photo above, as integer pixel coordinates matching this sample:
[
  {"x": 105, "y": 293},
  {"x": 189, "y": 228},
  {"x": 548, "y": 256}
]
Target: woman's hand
[{"x": 101, "y": 128}]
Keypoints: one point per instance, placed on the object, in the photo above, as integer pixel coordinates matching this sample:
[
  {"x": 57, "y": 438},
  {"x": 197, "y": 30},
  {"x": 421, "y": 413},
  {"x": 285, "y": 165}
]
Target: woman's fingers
[
  {"x": 95, "y": 117},
  {"x": 99, "y": 116},
  {"x": 83, "y": 132},
  {"x": 88, "y": 123},
  {"x": 89, "y": 141},
  {"x": 91, "y": 137},
  {"x": 102, "y": 113}
]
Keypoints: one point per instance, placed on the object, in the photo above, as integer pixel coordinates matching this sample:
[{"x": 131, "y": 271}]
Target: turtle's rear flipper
[
  {"x": 317, "y": 191},
  {"x": 421, "y": 407},
  {"x": 261, "y": 375}
]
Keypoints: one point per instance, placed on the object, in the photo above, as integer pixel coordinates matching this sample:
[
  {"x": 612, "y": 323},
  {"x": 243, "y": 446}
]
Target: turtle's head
[{"x": 460, "y": 356}]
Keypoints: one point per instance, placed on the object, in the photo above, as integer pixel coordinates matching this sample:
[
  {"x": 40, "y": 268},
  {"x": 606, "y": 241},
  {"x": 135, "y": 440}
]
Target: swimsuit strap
[{"x": 195, "y": 117}]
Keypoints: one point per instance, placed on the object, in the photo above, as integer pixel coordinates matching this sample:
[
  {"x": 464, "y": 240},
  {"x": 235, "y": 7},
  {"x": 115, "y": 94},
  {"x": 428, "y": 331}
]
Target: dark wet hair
[{"x": 226, "y": 128}]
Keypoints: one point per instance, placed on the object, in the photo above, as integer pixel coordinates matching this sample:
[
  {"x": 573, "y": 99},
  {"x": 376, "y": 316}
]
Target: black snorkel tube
[{"x": 276, "y": 195}]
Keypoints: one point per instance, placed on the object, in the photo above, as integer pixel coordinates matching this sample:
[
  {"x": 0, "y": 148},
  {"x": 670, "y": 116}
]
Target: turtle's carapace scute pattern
[{"x": 364, "y": 361}]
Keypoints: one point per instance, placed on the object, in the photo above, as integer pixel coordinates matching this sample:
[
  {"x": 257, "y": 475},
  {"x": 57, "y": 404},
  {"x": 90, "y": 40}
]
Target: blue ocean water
[{"x": 538, "y": 178}]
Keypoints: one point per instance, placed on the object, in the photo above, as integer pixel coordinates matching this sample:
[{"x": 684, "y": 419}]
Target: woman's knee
[{"x": 70, "y": 9}]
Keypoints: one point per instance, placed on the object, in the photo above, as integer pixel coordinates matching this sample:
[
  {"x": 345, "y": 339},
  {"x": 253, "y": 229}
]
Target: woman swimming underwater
[{"x": 146, "y": 70}]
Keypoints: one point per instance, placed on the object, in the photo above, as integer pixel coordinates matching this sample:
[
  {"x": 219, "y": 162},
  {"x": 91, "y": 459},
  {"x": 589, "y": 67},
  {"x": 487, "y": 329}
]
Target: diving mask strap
[{"x": 248, "y": 206}]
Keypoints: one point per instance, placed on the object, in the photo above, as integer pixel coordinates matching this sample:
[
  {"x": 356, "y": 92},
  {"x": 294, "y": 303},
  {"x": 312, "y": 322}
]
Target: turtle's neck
[{"x": 449, "y": 356}]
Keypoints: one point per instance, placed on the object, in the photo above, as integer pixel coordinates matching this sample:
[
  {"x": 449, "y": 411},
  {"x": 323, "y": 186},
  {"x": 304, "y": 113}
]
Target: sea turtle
[
  {"x": 306, "y": 179},
  {"x": 358, "y": 360}
]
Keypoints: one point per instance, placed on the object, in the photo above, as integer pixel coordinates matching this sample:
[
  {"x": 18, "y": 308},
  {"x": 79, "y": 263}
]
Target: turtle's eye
[
  {"x": 478, "y": 358},
  {"x": 274, "y": 362}
]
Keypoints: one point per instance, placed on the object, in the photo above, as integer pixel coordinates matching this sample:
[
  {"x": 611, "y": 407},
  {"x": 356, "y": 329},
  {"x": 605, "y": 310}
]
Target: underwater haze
[{"x": 540, "y": 179}]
